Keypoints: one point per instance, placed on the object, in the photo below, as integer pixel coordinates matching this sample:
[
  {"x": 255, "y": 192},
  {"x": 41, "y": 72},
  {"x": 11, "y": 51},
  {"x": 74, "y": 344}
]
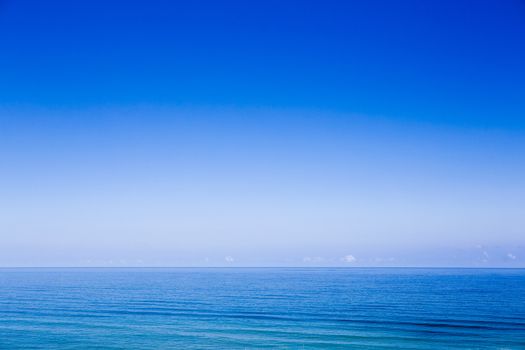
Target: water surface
[{"x": 280, "y": 308}]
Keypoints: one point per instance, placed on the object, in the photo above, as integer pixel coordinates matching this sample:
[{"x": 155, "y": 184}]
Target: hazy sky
[{"x": 224, "y": 133}]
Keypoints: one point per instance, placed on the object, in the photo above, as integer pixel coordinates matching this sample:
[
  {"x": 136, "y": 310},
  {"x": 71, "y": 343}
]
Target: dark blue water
[{"x": 262, "y": 308}]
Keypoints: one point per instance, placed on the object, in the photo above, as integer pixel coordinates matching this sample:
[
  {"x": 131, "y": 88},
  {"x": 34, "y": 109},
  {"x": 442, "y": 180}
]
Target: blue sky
[{"x": 332, "y": 133}]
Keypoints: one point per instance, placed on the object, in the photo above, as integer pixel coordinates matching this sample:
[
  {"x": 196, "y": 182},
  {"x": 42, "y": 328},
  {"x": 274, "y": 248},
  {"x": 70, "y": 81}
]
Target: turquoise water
[{"x": 262, "y": 308}]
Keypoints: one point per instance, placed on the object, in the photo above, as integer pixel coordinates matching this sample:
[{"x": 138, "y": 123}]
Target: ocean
[{"x": 258, "y": 308}]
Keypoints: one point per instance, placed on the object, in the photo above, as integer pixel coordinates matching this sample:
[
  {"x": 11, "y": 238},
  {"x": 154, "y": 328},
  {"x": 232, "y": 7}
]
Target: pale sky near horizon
[{"x": 263, "y": 134}]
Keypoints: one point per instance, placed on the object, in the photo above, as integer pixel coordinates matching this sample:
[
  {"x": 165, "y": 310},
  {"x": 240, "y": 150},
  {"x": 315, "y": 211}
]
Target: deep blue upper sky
[{"x": 459, "y": 62}]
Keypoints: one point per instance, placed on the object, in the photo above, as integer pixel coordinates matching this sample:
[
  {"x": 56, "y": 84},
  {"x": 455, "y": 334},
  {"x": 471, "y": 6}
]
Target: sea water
[{"x": 257, "y": 308}]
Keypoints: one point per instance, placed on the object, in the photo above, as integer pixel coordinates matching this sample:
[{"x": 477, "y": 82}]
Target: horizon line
[{"x": 266, "y": 267}]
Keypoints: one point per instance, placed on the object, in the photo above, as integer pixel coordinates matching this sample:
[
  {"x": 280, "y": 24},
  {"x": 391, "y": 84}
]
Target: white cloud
[
  {"x": 229, "y": 259},
  {"x": 348, "y": 258},
  {"x": 511, "y": 256}
]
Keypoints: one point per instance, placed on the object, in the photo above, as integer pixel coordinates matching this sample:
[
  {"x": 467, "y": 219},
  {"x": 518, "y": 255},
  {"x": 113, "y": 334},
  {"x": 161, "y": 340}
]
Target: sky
[{"x": 262, "y": 133}]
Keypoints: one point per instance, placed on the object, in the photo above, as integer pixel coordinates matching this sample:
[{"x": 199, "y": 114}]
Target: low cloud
[
  {"x": 229, "y": 259},
  {"x": 348, "y": 259},
  {"x": 485, "y": 256},
  {"x": 511, "y": 256}
]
